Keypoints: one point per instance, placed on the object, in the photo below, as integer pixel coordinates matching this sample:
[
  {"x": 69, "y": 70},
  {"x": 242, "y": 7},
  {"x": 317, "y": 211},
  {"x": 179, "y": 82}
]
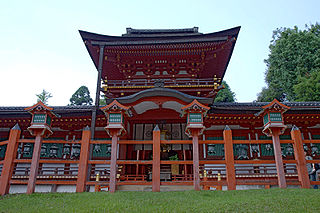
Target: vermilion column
[
  {"x": 8, "y": 162},
  {"x": 278, "y": 158},
  {"x": 34, "y": 163},
  {"x": 156, "y": 160},
  {"x": 229, "y": 158},
  {"x": 113, "y": 161},
  {"x": 83, "y": 161},
  {"x": 300, "y": 158},
  {"x": 195, "y": 150}
]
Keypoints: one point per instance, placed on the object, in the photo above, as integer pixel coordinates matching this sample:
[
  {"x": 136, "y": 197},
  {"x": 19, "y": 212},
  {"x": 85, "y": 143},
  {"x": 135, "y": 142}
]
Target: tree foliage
[
  {"x": 81, "y": 97},
  {"x": 308, "y": 88},
  {"x": 225, "y": 95},
  {"x": 103, "y": 100},
  {"x": 43, "y": 96},
  {"x": 293, "y": 59}
]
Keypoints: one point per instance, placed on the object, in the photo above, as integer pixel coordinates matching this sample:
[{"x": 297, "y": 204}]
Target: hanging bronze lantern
[
  {"x": 75, "y": 152},
  {"x": 43, "y": 150},
  {"x": 53, "y": 151},
  {"x": 108, "y": 151},
  {"x": 66, "y": 150},
  {"x": 26, "y": 149},
  {"x": 97, "y": 148}
]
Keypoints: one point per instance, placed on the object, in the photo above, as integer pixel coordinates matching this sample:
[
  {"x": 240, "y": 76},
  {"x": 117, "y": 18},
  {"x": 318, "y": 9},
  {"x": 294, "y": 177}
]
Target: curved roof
[
  {"x": 141, "y": 54},
  {"x": 149, "y": 36},
  {"x": 165, "y": 92}
]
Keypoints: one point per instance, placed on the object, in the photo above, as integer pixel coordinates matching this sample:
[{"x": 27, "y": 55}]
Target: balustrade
[{"x": 253, "y": 162}]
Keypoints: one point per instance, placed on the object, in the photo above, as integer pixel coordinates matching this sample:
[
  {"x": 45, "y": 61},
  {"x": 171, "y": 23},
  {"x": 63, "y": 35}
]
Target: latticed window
[
  {"x": 115, "y": 118},
  {"x": 195, "y": 118},
  {"x": 39, "y": 118},
  {"x": 265, "y": 119},
  {"x": 49, "y": 120},
  {"x": 275, "y": 116}
]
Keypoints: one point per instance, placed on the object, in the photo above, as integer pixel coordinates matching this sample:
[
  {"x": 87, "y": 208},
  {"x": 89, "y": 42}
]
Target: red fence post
[
  {"x": 195, "y": 148},
  {"x": 229, "y": 158},
  {"x": 113, "y": 161},
  {"x": 83, "y": 161},
  {"x": 156, "y": 160},
  {"x": 300, "y": 158},
  {"x": 34, "y": 163},
  {"x": 278, "y": 158},
  {"x": 8, "y": 162}
]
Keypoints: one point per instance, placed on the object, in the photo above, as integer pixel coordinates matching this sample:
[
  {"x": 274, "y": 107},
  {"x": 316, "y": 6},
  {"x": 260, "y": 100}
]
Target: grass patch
[{"x": 271, "y": 200}]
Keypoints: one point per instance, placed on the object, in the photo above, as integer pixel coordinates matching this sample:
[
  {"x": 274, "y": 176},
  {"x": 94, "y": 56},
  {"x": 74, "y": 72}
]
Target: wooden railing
[
  {"x": 253, "y": 170},
  {"x": 151, "y": 82}
]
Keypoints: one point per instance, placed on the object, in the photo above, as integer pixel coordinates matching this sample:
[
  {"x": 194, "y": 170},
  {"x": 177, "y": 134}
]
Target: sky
[{"x": 41, "y": 47}]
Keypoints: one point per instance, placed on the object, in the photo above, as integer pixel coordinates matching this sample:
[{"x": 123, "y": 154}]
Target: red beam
[
  {"x": 212, "y": 161},
  {"x": 176, "y": 141},
  {"x": 190, "y": 162},
  {"x": 134, "y": 161},
  {"x": 99, "y": 161},
  {"x": 135, "y": 142},
  {"x": 46, "y": 161},
  {"x": 100, "y": 142},
  {"x": 4, "y": 142},
  {"x": 261, "y": 161}
]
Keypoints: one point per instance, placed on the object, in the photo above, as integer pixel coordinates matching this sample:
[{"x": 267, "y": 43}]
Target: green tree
[
  {"x": 308, "y": 88},
  {"x": 103, "y": 100},
  {"x": 81, "y": 97},
  {"x": 225, "y": 95},
  {"x": 294, "y": 56},
  {"x": 43, "y": 96}
]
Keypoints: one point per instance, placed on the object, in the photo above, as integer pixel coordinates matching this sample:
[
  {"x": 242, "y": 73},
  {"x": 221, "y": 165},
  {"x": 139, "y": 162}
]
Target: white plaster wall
[
  {"x": 66, "y": 188},
  {"x": 246, "y": 187},
  {"x": 91, "y": 188},
  {"x": 14, "y": 189},
  {"x": 43, "y": 188}
]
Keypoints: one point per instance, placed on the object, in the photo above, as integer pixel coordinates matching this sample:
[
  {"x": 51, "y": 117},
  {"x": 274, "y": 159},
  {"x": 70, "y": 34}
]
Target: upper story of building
[{"x": 181, "y": 59}]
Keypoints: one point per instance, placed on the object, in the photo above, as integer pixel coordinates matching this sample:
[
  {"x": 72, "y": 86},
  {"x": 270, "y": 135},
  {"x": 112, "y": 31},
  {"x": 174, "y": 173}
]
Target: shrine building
[{"x": 160, "y": 129}]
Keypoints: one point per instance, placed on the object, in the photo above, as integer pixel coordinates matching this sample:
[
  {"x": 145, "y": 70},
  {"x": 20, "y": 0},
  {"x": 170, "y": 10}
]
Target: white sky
[{"x": 42, "y": 49}]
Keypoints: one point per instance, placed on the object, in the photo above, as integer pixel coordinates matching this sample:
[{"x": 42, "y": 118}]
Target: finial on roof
[
  {"x": 86, "y": 128},
  {"x": 294, "y": 128},
  {"x": 17, "y": 127},
  {"x": 156, "y": 128},
  {"x": 227, "y": 128}
]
